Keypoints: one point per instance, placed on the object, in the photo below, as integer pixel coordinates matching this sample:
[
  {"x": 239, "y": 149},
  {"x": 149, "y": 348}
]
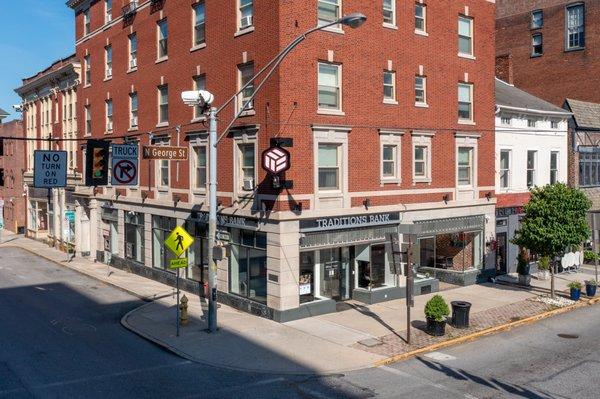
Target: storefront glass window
[
  {"x": 198, "y": 252},
  {"x": 248, "y": 265},
  {"x": 452, "y": 251},
  {"x": 134, "y": 236},
  {"x": 161, "y": 227},
  {"x": 307, "y": 277},
  {"x": 377, "y": 265}
]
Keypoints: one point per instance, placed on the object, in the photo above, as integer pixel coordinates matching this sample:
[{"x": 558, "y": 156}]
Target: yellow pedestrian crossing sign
[{"x": 178, "y": 241}]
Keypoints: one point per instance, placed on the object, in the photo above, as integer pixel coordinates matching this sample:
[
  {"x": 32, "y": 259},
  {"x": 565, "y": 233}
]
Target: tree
[{"x": 555, "y": 220}]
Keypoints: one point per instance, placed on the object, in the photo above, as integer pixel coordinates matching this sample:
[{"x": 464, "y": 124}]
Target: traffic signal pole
[{"x": 212, "y": 219}]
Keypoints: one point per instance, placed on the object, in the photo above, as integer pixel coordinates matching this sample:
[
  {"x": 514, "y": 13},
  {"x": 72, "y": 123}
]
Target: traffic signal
[{"x": 96, "y": 170}]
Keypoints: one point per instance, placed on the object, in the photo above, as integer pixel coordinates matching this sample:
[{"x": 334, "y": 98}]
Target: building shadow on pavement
[
  {"x": 367, "y": 312},
  {"x": 491, "y": 383}
]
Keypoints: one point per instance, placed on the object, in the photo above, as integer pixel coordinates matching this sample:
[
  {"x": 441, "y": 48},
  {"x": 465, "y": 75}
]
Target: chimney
[{"x": 504, "y": 68}]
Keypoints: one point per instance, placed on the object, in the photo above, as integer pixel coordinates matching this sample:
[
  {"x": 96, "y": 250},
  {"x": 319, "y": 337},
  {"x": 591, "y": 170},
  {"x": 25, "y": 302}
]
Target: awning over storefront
[{"x": 450, "y": 225}]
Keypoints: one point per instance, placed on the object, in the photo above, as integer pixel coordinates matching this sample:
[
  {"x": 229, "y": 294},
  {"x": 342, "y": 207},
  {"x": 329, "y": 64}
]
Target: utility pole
[{"x": 212, "y": 219}]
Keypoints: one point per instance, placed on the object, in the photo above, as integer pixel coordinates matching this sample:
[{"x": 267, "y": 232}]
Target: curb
[
  {"x": 113, "y": 284},
  {"x": 488, "y": 331}
]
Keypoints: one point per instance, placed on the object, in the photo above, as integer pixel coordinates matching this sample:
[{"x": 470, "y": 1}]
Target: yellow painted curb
[{"x": 475, "y": 335}]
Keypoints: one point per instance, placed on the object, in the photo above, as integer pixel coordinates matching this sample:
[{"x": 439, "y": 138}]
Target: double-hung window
[
  {"x": 504, "y": 168},
  {"x": 531, "y": 122},
  {"x": 389, "y": 86},
  {"x": 163, "y": 173},
  {"x": 531, "y": 165},
  {"x": 163, "y": 104},
  {"x": 465, "y": 36},
  {"x": 163, "y": 37},
  {"x": 133, "y": 51},
  {"x": 465, "y": 102},
  {"x": 329, "y": 166},
  {"x": 108, "y": 60},
  {"x": 537, "y": 45},
  {"x": 420, "y": 162},
  {"x": 389, "y": 160},
  {"x": 200, "y": 167},
  {"x": 199, "y": 23},
  {"x": 88, "y": 70},
  {"x": 389, "y": 12},
  {"x": 245, "y": 74},
  {"x": 109, "y": 116},
  {"x": 88, "y": 120},
  {"x": 107, "y": 11},
  {"x": 575, "y": 27},
  {"x": 420, "y": 89},
  {"x": 86, "y": 22},
  {"x": 553, "y": 167},
  {"x": 537, "y": 19},
  {"x": 247, "y": 166},
  {"x": 246, "y": 14},
  {"x": 199, "y": 84},
  {"x": 589, "y": 167},
  {"x": 329, "y": 87},
  {"x": 328, "y": 11},
  {"x": 133, "y": 110},
  {"x": 420, "y": 18},
  {"x": 465, "y": 166}
]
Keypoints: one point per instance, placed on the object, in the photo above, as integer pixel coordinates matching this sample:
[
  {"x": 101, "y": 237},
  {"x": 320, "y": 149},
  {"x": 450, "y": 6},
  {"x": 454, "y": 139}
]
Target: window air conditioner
[
  {"x": 246, "y": 22},
  {"x": 133, "y": 63},
  {"x": 248, "y": 184},
  {"x": 108, "y": 72},
  {"x": 134, "y": 121},
  {"x": 109, "y": 126}
]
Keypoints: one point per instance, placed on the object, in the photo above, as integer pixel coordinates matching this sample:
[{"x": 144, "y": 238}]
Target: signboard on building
[
  {"x": 124, "y": 165},
  {"x": 49, "y": 169},
  {"x": 164, "y": 152},
  {"x": 349, "y": 222}
]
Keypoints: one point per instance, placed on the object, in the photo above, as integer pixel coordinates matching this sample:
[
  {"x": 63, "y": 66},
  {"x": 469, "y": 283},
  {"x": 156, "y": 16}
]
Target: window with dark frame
[
  {"x": 537, "y": 48},
  {"x": 575, "y": 27},
  {"x": 537, "y": 19}
]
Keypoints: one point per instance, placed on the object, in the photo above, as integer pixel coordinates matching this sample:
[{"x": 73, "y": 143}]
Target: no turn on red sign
[{"x": 124, "y": 165}]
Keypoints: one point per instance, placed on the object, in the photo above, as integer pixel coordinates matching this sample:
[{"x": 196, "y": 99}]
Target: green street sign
[{"x": 178, "y": 263}]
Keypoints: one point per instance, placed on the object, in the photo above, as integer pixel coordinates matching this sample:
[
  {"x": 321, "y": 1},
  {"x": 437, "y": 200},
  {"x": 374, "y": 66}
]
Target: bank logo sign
[{"x": 49, "y": 169}]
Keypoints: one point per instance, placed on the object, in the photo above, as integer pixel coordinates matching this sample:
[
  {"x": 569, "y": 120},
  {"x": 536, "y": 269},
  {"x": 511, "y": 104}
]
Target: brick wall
[{"x": 12, "y": 162}]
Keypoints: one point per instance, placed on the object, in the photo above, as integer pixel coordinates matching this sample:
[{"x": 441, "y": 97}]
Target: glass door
[
  {"x": 501, "y": 254},
  {"x": 330, "y": 273}
]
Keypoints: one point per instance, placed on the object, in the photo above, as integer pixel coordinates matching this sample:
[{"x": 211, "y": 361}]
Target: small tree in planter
[
  {"x": 555, "y": 218},
  {"x": 544, "y": 268},
  {"x": 575, "y": 288},
  {"x": 523, "y": 268},
  {"x": 436, "y": 311}
]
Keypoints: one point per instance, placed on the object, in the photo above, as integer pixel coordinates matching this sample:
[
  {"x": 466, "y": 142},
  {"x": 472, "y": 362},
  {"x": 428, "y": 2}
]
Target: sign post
[
  {"x": 178, "y": 241},
  {"x": 1, "y": 218},
  {"x": 124, "y": 165}
]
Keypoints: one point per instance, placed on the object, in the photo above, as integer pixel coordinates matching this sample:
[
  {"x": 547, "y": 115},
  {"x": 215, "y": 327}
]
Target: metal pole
[
  {"x": 177, "y": 304},
  {"x": 594, "y": 245},
  {"x": 212, "y": 220}
]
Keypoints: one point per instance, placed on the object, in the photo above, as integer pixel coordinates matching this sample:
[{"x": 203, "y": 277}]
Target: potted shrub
[
  {"x": 575, "y": 287},
  {"x": 523, "y": 269},
  {"x": 436, "y": 311},
  {"x": 589, "y": 256},
  {"x": 590, "y": 287},
  {"x": 544, "y": 268}
]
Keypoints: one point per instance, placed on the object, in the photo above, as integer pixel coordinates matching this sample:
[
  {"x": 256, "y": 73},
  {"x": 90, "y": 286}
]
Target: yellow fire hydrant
[{"x": 183, "y": 308}]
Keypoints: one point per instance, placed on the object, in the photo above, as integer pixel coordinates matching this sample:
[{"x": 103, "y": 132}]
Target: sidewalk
[{"x": 356, "y": 338}]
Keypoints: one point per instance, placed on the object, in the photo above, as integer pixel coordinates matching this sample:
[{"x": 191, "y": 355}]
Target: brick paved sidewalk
[{"x": 394, "y": 344}]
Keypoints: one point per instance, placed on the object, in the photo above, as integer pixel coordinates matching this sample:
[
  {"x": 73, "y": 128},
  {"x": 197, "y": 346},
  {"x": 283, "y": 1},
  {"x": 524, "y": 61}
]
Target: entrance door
[
  {"x": 330, "y": 270},
  {"x": 501, "y": 253}
]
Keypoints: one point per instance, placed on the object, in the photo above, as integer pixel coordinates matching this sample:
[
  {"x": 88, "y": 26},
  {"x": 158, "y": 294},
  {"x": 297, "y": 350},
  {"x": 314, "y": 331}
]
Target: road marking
[
  {"x": 40, "y": 288},
  {"x": 96, "y": 378},
  {"x": 425, "y": 381},
  {"x": 439, "y": 356}
]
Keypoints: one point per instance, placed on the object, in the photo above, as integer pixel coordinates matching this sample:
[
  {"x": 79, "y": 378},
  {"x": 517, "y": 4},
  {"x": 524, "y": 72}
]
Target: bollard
[{"x": 184, "y": 310}]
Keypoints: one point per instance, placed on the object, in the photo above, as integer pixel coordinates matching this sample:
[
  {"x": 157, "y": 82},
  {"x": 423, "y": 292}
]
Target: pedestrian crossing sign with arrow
[{"x": 178, "y": 241}]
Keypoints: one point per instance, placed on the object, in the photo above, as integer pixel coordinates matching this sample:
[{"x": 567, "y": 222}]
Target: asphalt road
[{"x": 60, "y": 336}]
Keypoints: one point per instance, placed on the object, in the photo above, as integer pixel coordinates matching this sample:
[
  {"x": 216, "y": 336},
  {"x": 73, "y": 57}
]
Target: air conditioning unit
[
  {"x": 248, "y": 184},
  {"x": 134, "y": 121},
  {"x": 109, "y": 126},
  {"x": 246, "y": 22},
  {"x": 108, "y": 72},
  {"x": 133, "y": 63}
]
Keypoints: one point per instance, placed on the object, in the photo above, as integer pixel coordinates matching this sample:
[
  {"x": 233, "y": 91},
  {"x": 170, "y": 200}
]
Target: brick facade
[{"x": 12, "y": 165}]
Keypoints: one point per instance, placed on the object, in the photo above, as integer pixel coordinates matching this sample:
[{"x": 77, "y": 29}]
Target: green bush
[
  {"x": 590, "y": 256},
  {"x": 575, "y": 285},
  {"x": 436, "y": 308},
  {"x": 544, "y": 263},
  {"x": 591, "y": 282}
]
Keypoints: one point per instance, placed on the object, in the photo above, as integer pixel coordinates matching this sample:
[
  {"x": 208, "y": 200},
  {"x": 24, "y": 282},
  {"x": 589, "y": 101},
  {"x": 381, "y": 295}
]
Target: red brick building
[
  {"x": 392, "y": 123},
  {"x": 49, "y": 100},
  {"x": 12, "y": 166}
]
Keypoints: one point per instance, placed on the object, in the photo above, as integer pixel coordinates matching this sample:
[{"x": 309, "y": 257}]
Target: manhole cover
[
  {"x": 370, "y": 342},
  {"x": 568, "y": 336}
]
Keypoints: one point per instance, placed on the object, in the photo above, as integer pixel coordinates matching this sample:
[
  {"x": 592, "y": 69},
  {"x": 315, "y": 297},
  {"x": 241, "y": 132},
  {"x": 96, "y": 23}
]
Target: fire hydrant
[{"x": 183, "y": 308}]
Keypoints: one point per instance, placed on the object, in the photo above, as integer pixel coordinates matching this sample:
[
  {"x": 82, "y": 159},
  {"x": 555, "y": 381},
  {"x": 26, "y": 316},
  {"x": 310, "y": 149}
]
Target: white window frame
[
  {"x": 470, "y": 166},
  {"x": 392, "y": 99},
  {"x": 568, "y": 28},
  {"x": 242, "y": 21},
  {"x": 424, "y": 89},
  {"x": 554, "y": 125},
  {"x": 339, "y": 90},
  {"x": 423, "y": 7},
  {"x": 392, "y": 10},
  {"x": 133, "y": 113},
  {"x": 195, "y": 187},
  {"x": 337, "y": 135},
  {"x": 88, "y": 120},
  {"x": 557, "y": 169},
  {"x": 507, "y": 170},
  {"x": 242, "y": 97},
  {"x": 242, "y": 137},
  {"x": 87, "y": 75},
  {"x": 506, "y": 120},
  {"x": 109, "y": 111},
  {"x": 196, "y": 44},
  {"x": 160, "y": 115},
  {"x": 107, "y": 11},
  {"x": 391, "y": 138},
  {"x": 197, "y": 114},
  {"x": 132, "y": 54},
  {"x": 334, "y": 28},
  {"x": 160, "y": 168},
  {"x": 108, "y": 70},
  {"x": 470, "y": 54},
  {"x": 159, "y": 39},
  {"x": 471, "y": 117},
  {"x": 86, "y": 22},
  {"x": 533, "y": 170},
  {"x": 532, "y": 123},
  {"x": 422, "y": 139}
]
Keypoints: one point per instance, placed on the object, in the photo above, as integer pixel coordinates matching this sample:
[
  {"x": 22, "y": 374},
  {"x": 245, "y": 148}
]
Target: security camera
[
  {"x": 18, "y": 107},
  {"x": 202, "y": 98}
]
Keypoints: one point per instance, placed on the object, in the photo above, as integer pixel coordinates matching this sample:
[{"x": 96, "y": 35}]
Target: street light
[{"x": 205, "y": 99}]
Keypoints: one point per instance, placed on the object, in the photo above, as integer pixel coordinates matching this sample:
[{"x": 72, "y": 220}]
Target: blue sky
[{"x": 33, "y": 34}]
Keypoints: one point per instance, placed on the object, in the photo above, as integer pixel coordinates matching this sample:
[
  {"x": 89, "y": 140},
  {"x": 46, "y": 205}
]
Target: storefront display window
[
  {"x": 307, "y": 277},
  {"x": 452, "y": 251},
  {"x": 134, "y": 236},
  {"x": 161, "y": 228},
  {"x": 248, "y": 265}
]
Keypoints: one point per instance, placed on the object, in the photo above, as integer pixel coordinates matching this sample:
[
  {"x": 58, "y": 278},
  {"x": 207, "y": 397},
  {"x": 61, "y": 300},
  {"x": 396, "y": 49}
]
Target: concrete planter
[
  {"x": 436, "y": 328},
  {"x": 525, "y": 280}
]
